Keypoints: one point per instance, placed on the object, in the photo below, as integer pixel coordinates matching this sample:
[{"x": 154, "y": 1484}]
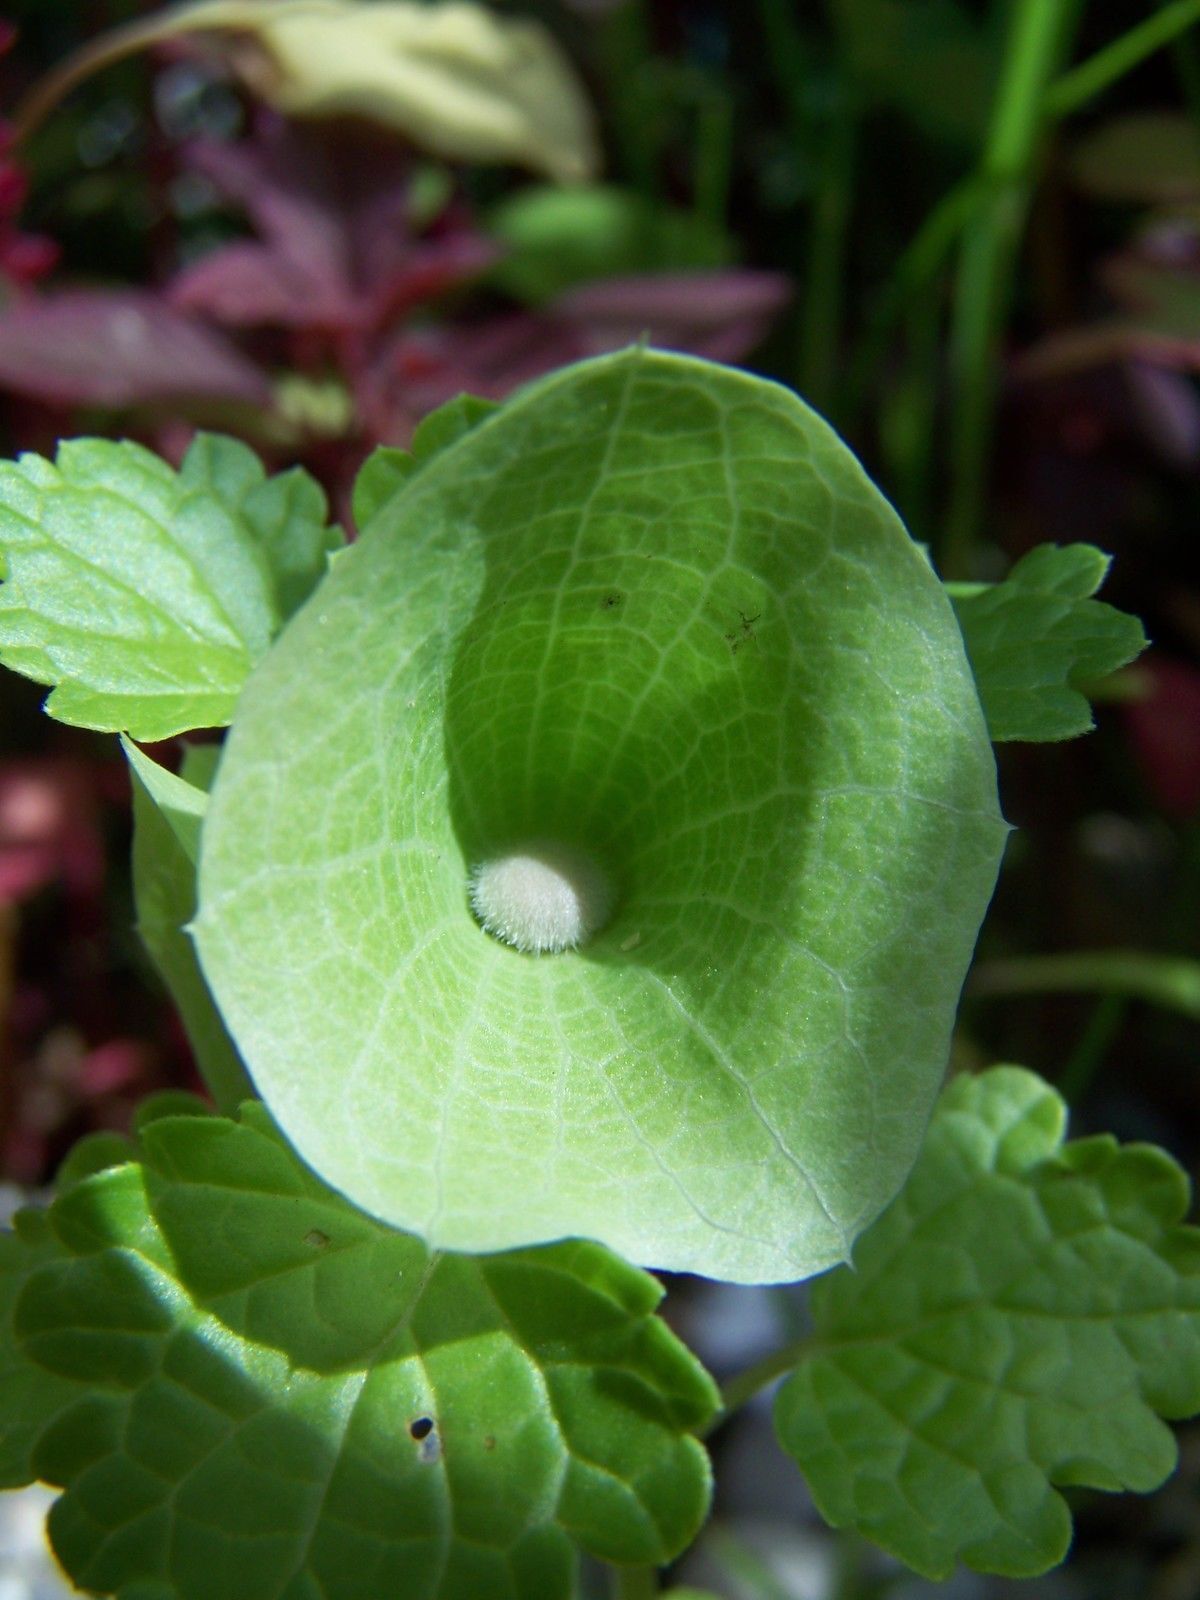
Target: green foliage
[
  {"x": 262, "y": 1391},
  {"x": 388, "y": 468},
  {"x": 654, "y": 610},
  {"x": 1037, "y": 640},
  {"x": 145, "y": 595},
  {"x": 167, "y": 815},
  {"x": 1013, "y": 1323},
  {"x": 927, "y": 57},
  {"x": 30, "y": 1397},
  {"x": 559, "y": 237}
]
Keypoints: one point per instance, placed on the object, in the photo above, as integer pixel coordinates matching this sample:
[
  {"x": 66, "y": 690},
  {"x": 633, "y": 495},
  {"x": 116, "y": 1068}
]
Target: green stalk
[
  {"x": 1084, "y": 1062},
  {"x": 1093, "y": 76},
  {"x": 824, "y": 292},
  {"x": 743, "y": 1386},
  {"x": 921, "y": 260},
  {"x": 714, "y": 157},
  {"x": 984, "y": 281},
  {"x": 1172, "y": 981}
]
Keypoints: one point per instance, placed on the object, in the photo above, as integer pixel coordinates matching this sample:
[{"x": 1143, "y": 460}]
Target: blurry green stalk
[{"x": 1039, "y": 37}]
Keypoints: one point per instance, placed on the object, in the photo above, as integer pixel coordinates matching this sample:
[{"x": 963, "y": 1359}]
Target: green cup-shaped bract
[{"x": 651, "y": 613}]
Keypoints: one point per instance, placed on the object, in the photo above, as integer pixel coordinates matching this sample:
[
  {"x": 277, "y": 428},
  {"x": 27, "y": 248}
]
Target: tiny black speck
[{"x": 421, "y": 1427}]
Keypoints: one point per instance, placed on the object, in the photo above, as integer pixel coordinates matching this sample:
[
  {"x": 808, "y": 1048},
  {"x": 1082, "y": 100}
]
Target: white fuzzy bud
[{"x": 541, "y": 898}]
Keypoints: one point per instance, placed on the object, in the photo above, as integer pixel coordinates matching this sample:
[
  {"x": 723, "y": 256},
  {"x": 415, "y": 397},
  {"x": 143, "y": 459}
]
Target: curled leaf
[
  {"x": 454, "y": 78},
  {"x": 650, "y": 615}
]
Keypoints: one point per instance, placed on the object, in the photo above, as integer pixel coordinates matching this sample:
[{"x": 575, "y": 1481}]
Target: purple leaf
[
  {"x": 252, "y": 285},
  {"x": 722, "y": 315},
  {"x": 336, "y": 250},
  {"x": 120, "y": 348}
]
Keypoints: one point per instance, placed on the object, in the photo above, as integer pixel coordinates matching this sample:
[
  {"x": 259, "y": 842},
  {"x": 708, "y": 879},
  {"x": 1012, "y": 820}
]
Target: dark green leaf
[
  {"x": 1037, "y": 640},
  {"x": 1019, "y": 1319},
  {"x": 290, "y": 1399}
]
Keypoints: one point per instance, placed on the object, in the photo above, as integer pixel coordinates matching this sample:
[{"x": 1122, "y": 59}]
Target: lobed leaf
[
  {"x": 654, "y": 610},
  {"x": 1016, "y": 1323},
  {"x": 1038, "y": 639},
  {"x": 30, "y": 1396},
  {"x": 387, "y": 468},
  {"x": 284, "y": 1398},
  {"x": 144, "y": 595}
]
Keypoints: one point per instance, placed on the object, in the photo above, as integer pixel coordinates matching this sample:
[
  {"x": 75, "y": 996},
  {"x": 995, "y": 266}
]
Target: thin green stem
[
  {"x": 984, "y": 280},
  {"x": 789, "y": 58},
  {"x": 743, "y": 1386},
  {"x": 1084, "y": 1062},
  {"x": 1098, "y": 72},
  {"x": 1172, "y": 981},
  {"x": 824, "y": 292},
  {"x": 919, "y": 263},
  {"x": 714, "y": 157},
  {"x": 628, "y": 50}
]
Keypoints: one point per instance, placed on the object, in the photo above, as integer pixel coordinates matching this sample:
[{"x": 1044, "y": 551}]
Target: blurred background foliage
[{"x": 968, "y": 231}]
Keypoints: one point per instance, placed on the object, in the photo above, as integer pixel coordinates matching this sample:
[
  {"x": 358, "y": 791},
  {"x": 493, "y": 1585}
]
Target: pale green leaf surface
[
  {"x": 288, "y": 514},
  {"x": 1038, "y": 639},
  {"x": 144, "y": 595},
  {"x": 654, "y": 609},
  {"x": 167, "y": 816},
  {"x": 1013, "y": 1323},
  {"x": 257, "y": 1352}
]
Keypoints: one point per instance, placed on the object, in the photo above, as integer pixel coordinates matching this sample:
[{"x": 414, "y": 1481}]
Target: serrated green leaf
[
  {"x": 384, "y": 471},
  {"x": 167, "y": 815},
  {"x": 288, "y": 513},
  {"x": 287, "y": 1398},
  {"x": 1019, "y": 1319},
  {"x": 388, "y": 468},
  {"x": 144, "y": 595},
  {"x": 652, "y": 609},
  {"x": 30, "y": 1397},
  {"x": 1038, "y": 639}
]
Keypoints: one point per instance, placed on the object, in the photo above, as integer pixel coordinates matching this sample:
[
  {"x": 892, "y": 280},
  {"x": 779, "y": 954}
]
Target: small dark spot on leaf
[
  {"x": 316, "y": 1238},
  {"x": 489, "y": 1442},
  {"x": 421, "y": 1427},
  {"x": 611, "y": 601}
]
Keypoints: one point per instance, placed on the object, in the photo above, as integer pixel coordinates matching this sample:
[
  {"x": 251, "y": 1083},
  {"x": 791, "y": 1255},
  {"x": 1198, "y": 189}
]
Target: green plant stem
[
  {"x": 789, "y": 59},
  {"x": 635, "y": 1583},
  {"x": 1171, "y": 981},
  {"x": 714, "y": 157},
  {"x": 913, "y": 273},
  {"x": 824, "y": 290},
  {"x": 743, "y": 1386},
  {"x": 1093, "y": 76},
  {"x": 628, "y": 54},
  {"x": 1076, "y": 1077},
  {"x": 984, "y": 280}
]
